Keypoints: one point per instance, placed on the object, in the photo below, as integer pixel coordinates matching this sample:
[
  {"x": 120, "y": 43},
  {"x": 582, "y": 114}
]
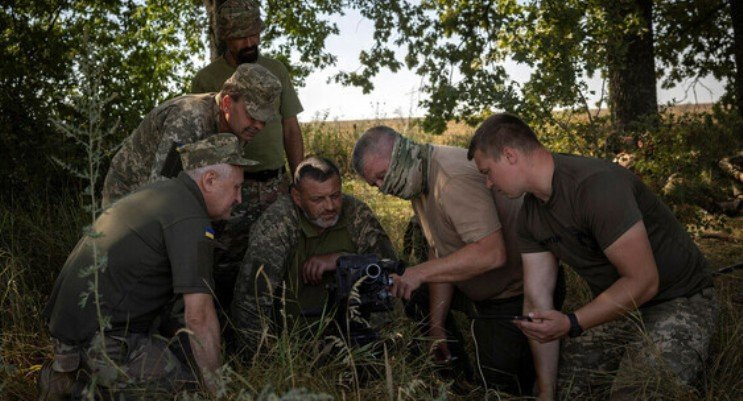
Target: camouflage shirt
[
  {"x": 148, "y": 154},
  {"x": 274, "y": 239}
]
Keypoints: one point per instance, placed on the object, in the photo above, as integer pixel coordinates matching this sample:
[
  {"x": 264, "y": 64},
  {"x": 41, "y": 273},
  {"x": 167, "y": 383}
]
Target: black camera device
[{"x": 362, "y": 282}]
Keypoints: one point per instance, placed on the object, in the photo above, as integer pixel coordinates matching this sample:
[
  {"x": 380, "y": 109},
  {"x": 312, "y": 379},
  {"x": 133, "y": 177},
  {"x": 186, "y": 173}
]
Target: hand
[
  {"x": 545, "y": 326},
  {"x": 407, "y": 283},
  {"x": 314, "y": 267}
]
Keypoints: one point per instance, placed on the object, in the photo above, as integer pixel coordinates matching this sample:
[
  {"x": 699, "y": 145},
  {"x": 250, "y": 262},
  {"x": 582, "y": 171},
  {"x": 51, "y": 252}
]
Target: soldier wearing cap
[
  {"x": 148, "y": 249},
  {"x": 243, "y": 106},
  {"x": 239, "y": 25}
]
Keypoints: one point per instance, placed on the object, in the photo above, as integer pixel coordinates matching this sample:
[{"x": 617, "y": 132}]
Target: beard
[
  {"x": 320, "y": 222},
  {"x": 247, "y": 55}
]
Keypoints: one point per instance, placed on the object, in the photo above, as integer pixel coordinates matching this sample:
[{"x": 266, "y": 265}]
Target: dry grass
[{"x": 36, "y": 236}]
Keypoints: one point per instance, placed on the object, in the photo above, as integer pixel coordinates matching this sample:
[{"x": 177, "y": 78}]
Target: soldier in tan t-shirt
[{"x": 471, "y": 233}]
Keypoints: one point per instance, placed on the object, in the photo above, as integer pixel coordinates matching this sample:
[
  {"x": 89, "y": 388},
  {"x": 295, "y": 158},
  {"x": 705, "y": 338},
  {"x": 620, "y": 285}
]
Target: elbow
[
  {"x": 651, "y": 288},
  {"x": 496, "y": 260}
]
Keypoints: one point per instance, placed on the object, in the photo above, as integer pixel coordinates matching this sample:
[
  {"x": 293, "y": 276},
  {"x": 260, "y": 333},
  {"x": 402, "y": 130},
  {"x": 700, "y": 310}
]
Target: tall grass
[{"x": 39, "y": 229}]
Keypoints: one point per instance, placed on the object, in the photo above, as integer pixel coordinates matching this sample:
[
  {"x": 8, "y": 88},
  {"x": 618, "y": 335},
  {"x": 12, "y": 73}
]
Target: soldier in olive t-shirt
[
  {"x": 147, "y": 250},
  {"x": 625, "y": 243}
]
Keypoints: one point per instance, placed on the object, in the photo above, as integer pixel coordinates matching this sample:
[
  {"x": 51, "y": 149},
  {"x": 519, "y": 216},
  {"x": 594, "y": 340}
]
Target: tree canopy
[{"x": 146, "y": 52}]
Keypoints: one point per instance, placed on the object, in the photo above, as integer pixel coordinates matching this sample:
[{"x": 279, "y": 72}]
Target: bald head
[{"x": 376, "y": 143}]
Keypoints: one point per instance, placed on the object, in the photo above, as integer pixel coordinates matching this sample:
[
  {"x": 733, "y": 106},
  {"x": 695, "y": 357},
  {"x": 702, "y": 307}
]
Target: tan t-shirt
[{"x": 458, "y": 209}]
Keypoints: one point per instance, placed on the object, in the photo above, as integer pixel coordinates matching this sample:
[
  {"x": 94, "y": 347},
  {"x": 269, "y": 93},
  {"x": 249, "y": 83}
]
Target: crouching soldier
[
  {"x": 148, "y": 249},
  {"x": 294, "y": 243}
]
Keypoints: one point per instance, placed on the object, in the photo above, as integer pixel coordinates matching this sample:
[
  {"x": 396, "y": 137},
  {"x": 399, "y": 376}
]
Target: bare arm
[
  {"x": 440, "y": 295},
  {"x": 540, "y": 276},
  {"x": 632, "y": 256},
  {"x": 293, "y": 143},
  {"x": 469, "y": 261},
  {"x": 201, "y": 319},
  {"x": 638, "y": 281}
]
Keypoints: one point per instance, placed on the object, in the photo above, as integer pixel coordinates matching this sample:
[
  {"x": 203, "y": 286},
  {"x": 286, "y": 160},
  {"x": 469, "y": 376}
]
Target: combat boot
[{"x": 55, "y": 386}]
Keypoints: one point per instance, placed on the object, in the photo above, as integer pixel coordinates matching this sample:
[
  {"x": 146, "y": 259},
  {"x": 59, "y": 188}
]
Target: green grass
[{"x": 37, "y": 232}]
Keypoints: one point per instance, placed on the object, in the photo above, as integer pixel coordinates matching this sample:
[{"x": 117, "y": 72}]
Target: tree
[
  {"x": 460, "y": 46},
  {"x": 146, "y": 50}
]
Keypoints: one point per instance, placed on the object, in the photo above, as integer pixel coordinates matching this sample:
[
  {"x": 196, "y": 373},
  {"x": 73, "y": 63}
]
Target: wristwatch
[{"x": 575, "y": 329}]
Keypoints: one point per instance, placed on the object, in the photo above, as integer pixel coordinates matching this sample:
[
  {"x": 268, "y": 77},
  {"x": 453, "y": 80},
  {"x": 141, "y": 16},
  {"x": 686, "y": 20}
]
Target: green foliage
[
  {"x": 146, "y": 50},
  {"x": 300, "y": 28},
  {"x": 460, "y": 48}
]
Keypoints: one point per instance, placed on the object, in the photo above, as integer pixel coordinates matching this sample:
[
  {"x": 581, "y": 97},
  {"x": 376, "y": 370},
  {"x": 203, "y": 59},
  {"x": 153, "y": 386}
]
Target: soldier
[
  {"x": 471, "y": 233},
  {"x": 239, "y": 25},
  {"x": 654, "y": 303},
  {"x": 243, "y": 106},
  {"x": 295, "y": 242},
  {"x": 147, "y": 249}
]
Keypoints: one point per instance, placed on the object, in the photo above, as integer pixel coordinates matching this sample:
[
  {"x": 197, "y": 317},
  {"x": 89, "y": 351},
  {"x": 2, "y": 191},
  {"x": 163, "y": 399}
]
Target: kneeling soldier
[
  {"x": 294, "y": 242},
  {"x": 148, "y": 249}
]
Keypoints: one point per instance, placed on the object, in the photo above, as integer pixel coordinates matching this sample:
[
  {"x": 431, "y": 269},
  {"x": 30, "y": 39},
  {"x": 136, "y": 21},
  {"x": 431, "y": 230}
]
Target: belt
[{"x": 263, "y": 175}]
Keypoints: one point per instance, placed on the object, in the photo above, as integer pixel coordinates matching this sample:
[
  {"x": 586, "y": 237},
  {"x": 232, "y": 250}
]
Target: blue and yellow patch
[{"x": 209, "y": 233}]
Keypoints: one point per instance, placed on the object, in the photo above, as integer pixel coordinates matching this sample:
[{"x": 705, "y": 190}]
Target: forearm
[
  {"x": 439, "y": 295},
  {"x": 465, "y": 263},
  {"x": 293, "y": 143},
  {"x": 625, "y": 295},
  {"x": 205, "y": 342}
]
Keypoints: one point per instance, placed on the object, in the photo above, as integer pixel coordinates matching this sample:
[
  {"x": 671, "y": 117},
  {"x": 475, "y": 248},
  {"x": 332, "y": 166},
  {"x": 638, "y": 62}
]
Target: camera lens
[{"x": 373, "y": 270}]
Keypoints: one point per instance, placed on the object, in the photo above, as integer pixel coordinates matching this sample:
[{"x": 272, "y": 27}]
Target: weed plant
[{"x": 39, "y": 227}]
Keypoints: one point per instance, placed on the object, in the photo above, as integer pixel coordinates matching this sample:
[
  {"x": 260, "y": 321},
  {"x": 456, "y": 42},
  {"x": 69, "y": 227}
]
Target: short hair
[
  {"x": 222, "y": 169},
  {"x": 374, "y": 141},
  {"x": 501, "y": 130},
  {"x": 319, "y": 169}
]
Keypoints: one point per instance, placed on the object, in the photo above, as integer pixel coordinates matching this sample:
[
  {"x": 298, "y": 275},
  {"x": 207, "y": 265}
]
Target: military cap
[
  {"x": 215, "y": 149},
  {"x": 259, "y": 88},
  {"x": 238, "y": 19}
]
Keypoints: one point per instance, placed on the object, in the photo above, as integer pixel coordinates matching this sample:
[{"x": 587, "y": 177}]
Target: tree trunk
[
  {"x": 216, "y": 46},
  {"x": 631, "y": 65},
  {"x": 737, "y": 14}
]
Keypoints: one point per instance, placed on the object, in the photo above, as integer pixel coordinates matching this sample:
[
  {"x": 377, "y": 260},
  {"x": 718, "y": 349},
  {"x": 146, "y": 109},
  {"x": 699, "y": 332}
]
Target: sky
[{"x": 397, "y": 95}]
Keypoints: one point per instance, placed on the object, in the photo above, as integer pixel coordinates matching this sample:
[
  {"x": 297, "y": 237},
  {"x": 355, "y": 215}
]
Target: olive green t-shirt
[
  {"x": 593, "y": 203},
  {"x": 314, "y": 241},
  {"x": 267, "y": 147},
  {"x": 156, "y": 242}
]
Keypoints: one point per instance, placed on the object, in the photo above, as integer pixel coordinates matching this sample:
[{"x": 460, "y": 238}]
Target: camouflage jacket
[
  {"x": 273, "y": 238},
  {"x": 148, "y": 154}
]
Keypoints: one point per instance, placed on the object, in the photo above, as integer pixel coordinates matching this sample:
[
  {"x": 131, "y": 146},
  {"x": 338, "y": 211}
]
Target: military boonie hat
[
  {"x": 239, "y": 19},
  {"x": 215, "y": 149},
  {"x": 259, "y": 89}
]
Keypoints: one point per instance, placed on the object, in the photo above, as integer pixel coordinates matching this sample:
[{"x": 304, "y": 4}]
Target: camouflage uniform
[
  {"x": 170, "y": 243},
  {"x": 651, "y": 345},
  {"x": 273, "y": 241},
  {"x": 148, "y": 154},
  {"x": 263, "y": 183}
]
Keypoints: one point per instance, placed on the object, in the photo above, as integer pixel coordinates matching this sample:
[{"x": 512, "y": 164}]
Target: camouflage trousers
[
  {"x": 127, "y": 367},
  {"x": 640, "y": 356}
]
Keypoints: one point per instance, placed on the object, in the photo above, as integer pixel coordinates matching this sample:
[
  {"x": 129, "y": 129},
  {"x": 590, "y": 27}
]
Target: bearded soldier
[{"x": 294, "y": 247}]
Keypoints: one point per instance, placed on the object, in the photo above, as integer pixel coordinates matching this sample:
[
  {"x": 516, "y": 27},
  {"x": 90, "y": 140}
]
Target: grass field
[{"x": 37, "y": 233}]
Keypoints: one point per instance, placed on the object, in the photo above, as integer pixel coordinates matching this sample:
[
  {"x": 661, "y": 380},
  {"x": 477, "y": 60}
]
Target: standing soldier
[{"x": 239, "y": 24}]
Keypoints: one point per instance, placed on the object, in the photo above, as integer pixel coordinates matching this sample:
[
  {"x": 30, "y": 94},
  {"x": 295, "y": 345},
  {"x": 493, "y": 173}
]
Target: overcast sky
[{"x": 397, "y": 94}]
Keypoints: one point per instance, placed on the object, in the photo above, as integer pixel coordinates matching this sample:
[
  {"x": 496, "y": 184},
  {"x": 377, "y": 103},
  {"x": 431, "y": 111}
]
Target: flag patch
[{"x": 209, "y": 233}]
